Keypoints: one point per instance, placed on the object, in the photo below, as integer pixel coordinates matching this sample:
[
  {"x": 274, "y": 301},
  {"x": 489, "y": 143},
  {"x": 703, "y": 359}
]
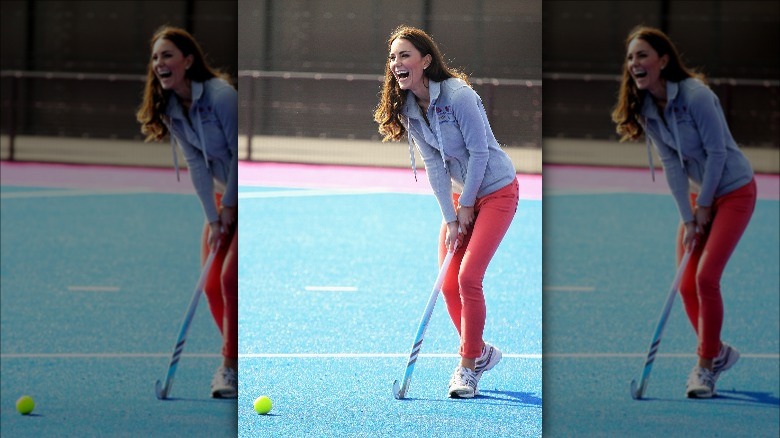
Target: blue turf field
[
  {"x": 94, "y": 286},
  {"x": 608, "y": 266},
  {"x": 328, "y": 359}
]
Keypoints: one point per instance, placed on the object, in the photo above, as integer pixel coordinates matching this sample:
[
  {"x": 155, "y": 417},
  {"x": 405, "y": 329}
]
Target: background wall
[
  {"x": 486, "y": 38},
  {"x": 99, "y": 38},
  {"x": 735, "y": 43}
]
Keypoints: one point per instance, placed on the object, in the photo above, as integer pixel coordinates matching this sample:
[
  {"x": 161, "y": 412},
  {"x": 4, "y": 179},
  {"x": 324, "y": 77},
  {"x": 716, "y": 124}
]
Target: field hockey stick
[
  {"x": 638, "y": 392},
  {"x": 399, "y": 391},
  {"x": 161, "y": 390}
]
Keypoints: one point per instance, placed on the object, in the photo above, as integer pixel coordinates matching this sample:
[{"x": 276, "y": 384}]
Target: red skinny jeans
[
  {"x": 462, "y": 286},
  {"x": 700, "y": 285}
]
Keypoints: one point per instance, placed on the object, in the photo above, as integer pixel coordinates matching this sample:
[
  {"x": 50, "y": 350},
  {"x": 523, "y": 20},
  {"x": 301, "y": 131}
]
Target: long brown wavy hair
[
  {"x": 155, "y": 100},
  {"x": 392, "y": 100},
  {"x": 626, "y": 112}
]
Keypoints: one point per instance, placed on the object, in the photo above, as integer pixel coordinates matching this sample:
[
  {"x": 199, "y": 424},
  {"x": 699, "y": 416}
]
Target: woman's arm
[
  {"x": 202, "y": 180},
  {"x": 468, "y": 111},
  {"x": 676, "y": 178},
  {"x": 226, "y": 106},
  {"x": 438, "y": 177},
  {"x": 705, "y": 109}
]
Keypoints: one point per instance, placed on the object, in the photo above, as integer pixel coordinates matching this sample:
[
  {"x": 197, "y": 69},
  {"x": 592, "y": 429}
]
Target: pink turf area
[
  {"x": 94, "y": 177},
  {"x": 557, "y": 179},
  {"x": 583, "y": 179},
  {"x": 347, "y": 177}
]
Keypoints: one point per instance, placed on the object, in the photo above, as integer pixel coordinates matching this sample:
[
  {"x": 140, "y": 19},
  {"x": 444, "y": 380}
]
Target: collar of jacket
[
  {"x": 412, "y": 111},
  {"x": 650, "y": 111},
  {"x": 175, "y": 110}
]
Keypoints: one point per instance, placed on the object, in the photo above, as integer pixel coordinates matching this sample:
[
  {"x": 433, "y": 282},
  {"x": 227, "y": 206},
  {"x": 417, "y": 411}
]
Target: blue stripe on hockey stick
[
  {"x": 399, "y": 391},
  {"x": 162, "y": 390},
  {"x": 638, "y": 392}
]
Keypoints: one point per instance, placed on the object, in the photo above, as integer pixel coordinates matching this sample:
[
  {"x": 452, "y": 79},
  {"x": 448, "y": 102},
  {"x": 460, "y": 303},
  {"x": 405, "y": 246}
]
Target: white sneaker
[
  {"x": 701, "y": 383},
  {"x": 463, "y": 383},
  {"x": 726, "y": 359},
  {"x": 488, "y": 359},
  {"x": 225, "y": 383}
]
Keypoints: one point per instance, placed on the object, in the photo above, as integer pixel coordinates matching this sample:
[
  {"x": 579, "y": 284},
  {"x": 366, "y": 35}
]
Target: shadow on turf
[
  {"x": 201, "y": 400},
  {"x": 731, "y": 397},
  {"x": 507, "y": 397},
  {"x": 764, "y": 398},
  {"x": 522, "y": 398}
]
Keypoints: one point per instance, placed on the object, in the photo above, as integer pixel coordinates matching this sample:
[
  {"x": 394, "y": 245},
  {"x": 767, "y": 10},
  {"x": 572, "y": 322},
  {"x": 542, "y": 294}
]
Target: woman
[
  {"x": 439, "y": 112},
  {"x": 197, "y": 107},
  {"x": 710, "y": 179}
]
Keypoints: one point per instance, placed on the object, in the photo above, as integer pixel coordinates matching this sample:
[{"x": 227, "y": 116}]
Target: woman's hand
[
  {"x": 703, "y": 216},
  {"x": 465, "y": 218},
  {"x": 453, "y": 236},
  {"x": 215, "y": 233},
  {"x": 691, "y": 230},
  {"x": 228, "y": 217}
]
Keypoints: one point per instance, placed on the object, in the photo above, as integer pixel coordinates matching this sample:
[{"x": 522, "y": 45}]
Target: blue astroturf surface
[
  {"x": 94, "y": 287},
  {"x": 608, "y": 265},
  {"x": 330, "y": 297}
]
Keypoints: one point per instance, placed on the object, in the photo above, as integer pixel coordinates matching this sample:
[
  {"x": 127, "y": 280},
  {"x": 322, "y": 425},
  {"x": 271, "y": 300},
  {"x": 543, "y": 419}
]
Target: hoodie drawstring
[
  {"x": 175, "y": 157},
  {"x": 650, "y": 156},
  {"x": 411, "y": 154}
]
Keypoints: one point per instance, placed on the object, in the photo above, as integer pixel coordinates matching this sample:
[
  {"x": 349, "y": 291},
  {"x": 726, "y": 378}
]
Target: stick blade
[
  {"x": 397, "y": 391},
  {"x": 636, "y": 392},
  {"x": 159, "y": 392}
]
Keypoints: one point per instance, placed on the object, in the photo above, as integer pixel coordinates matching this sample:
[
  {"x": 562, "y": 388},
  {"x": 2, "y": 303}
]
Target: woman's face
[
  {"x": 645, "y": 65},
  {"x": 170, "y": 65},
  {"x": 407, "y": 64}
]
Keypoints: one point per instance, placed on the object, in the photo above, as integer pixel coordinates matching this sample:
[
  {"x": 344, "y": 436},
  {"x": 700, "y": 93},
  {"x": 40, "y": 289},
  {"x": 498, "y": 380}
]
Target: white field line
[
  {"x": 93, "y": 289},
  {"x": 769, "y": 356},
  {"x": 330, "y": 289},
  {"x": 774, "y": 356},
  {"x": 568, "y": 288},
  {"x": 367, "y": 355},
  {"x": 242, "y": 355},
  {"x": 309, "y": 193},
  {"x": 101, "y": 355}
]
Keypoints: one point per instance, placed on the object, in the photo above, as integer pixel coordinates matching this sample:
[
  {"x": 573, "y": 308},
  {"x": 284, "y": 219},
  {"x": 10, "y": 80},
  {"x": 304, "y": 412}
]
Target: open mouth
[
  {"x": 402, "y": 75},
  {"x": 164, "y": 75},
  {"x": 640, "y": 74}
]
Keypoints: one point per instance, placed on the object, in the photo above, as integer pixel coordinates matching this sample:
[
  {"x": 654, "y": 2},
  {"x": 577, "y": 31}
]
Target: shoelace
[
  {"x": 227, "y": 375},
  {"x": 701, "y": 376},
  {"x": 463, "y": 377}
]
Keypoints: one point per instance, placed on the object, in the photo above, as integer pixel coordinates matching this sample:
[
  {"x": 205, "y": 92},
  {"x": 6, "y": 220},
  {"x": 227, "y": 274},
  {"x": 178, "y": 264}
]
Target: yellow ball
[
  {"x": 263, "y": 405},
  {"x": 25, "y": 404}
]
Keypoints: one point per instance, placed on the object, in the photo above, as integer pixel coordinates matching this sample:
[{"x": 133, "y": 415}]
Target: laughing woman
[
  {"x": 198, "y": 108},
  {"x": 710, "y": 179},
  {"x": 474, "y": 181}
]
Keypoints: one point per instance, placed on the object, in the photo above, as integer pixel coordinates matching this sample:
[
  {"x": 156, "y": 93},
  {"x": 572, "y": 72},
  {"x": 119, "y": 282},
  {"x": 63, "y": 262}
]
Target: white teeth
[{"x": 402, "y": 74}]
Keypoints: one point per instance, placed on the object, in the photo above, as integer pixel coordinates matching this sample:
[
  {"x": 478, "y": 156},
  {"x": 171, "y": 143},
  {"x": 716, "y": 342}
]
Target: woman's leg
[
  {"x": 229, "y": 282},
  {"x": 494, "y": 214},
  {"x": 213, "y": 286},
  {"x": 731, "y": 214},
  {"x": 700, "y": 288},
  {"x": 221, "y": 290}
]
